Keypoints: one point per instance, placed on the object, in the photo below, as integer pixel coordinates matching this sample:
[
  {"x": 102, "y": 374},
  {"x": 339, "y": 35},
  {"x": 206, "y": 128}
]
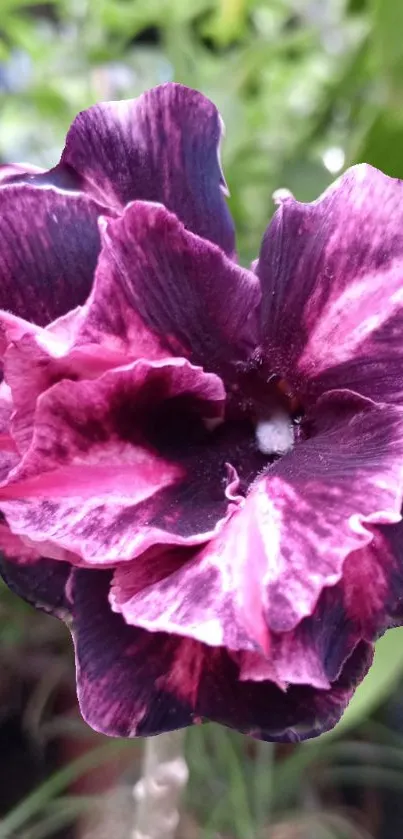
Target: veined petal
[
  {"x": 313, "y": 508},
  {"x": 265, "y": 568},
  {"x": 135, "y": 683},
  {"x": 331, "y": 275},
  {"x": 161, "y": 290},
  {"x": 49, "y": 249},
  {"x": 121, "y": 671},
  {"x": 160, "y": 147},
  {"x": 179, "y": 592},
  {"x": 372, "y": 584},
  {"x": 264, "y": 711},
  {"x": 119, "y": 464},
  {"x": 35, "y": 359}
]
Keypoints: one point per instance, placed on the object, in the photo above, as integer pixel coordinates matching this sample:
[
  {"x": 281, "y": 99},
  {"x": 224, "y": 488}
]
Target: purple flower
[{"x": 201, "y": 466}]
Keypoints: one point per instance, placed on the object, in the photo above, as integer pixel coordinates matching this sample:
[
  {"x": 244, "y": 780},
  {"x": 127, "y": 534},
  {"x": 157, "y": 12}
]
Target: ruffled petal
[
  {"x": 8, "y": 450},
  {"x": 313, "y": 508},
  {"x": 39, "y": 581},
  {"x": 121, "y": 671},
  {"x": 331, "y": 275},
  {"x": 179, "y": 593},
  {"x": 135, "y": 683},
  {"x": 161, "y": 147},
  {"x": 35, "y": 359},
  {"x": 12, "y": 547},
  {"x": 49, "y": 249},
  {"x": 161, "y": 290},
  {"x": 371, "y": 588},
  {"x": 265, "y": 569},
  {"x": 264, "y": 711},
  {"x": 132, "y": 459}
]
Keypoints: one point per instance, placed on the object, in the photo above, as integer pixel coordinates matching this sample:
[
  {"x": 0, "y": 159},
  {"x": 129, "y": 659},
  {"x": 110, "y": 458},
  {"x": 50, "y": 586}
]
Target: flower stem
[
  {"x": 264, "y": 771},
  {"x": 158, "y": 792}
]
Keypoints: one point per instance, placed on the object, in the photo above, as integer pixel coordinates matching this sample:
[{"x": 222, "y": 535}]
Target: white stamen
[{"x": 275, "y": 435}]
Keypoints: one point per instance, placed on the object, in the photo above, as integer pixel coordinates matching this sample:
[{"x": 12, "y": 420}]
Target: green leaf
[
  {"x": 375, "y": 776},
  {"x": 37, "y": 800},
  {"x": 63, "y": 813},
  {"x": 381, "y": 680},
  {"x": 388, "y": 41},
  {"x": 228, "y": 21},
  {"x": 383, "y": 143}
]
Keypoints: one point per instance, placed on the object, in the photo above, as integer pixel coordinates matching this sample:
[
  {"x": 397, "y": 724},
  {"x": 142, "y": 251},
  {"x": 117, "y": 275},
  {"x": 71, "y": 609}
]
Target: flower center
[
  {"x": 275, "y": 435},
  {"x": 220, "y": 460},
  {"x": 271, "y": 405}
]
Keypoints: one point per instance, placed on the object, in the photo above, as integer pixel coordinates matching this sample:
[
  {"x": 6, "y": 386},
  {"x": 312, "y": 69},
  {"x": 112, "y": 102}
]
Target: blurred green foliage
[{"x": 306, "y": 88}]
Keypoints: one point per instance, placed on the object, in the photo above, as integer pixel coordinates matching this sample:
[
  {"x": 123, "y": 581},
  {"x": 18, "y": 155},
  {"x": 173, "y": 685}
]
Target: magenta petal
[
  {"x": 265, "y": 569},
  {"x": 331, "y": 276},
  {"x": 161, "y": 147},
  {"x": 8, "y": 450},
  {"x": 179, "y": 593},
  {"x": 135, "y": 683},
  {"x": 264, "y": 711},
  {"x": 121, "y": 671},
  {"x": 376, "y": 570},
  {"x": 12, "y": 547},
  {"x": 35, "y": 359},
  {"x": 49, "y": 249},
  {"x": 160, "y": 290},
  {"x": 314, "y": 653},
  {"x": 318, "y": 501},
  {"x": 42, "y": 583},
  {"x": 16, "y": 172},
  {"x": 108, "y": 475}
]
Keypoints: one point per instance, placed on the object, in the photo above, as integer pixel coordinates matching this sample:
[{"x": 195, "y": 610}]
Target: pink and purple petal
[
  {"x": 161, "y": 147},
  {"x": 13, "y": 548},
  {"x": 264, "y": 711},
  {"x": 174, "y": 591},
  {"x": 264, "y": 570},
  {"x": 135, "y": 683},
  {"x": 161, "y": 290},
  {"x": 135, "y": 458},
  {"x": 331, "y": 276},
  {"x": 371, "y": 588},
  {"x": 42, "y": 583},
  {"x": 35, "y": 359},
  {"x": 17, "y": 172},
  {"x": 8, "y": 450},
  {"x": 316, "y": 505},
  {"x": 49, "y": 249},
  {"x": 121, "y": 671}
]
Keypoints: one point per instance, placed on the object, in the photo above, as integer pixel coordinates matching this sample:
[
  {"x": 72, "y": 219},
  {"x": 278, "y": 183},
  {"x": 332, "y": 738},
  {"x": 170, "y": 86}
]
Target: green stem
[{"x": 37, "y": 800}]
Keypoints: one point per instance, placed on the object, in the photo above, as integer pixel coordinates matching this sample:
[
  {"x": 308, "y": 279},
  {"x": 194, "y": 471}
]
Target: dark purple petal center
[{"x": 183, "y": 433}]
